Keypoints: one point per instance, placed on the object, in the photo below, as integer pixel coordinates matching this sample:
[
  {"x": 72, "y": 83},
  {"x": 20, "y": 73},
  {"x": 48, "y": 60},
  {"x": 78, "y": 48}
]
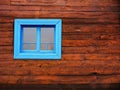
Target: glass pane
[
  {"x": 26, "y": 47},
  {"x": 29, "y": 38},
  {"x": 29, "y": 46},
  {"x": 43, "y": 46},
  {"x": 32, "y": 46},
  {"x": 50, "y": 46},
  {"x": 47, "y": 37},
  {"x": 29, "y": 34}
]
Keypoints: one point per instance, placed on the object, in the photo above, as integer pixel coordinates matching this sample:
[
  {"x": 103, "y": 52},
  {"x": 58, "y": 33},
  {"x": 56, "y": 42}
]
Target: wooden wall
[{"x": 90, "y": 42}]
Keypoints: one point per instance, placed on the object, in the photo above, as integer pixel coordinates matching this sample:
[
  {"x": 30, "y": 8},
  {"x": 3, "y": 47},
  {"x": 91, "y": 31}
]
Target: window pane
[
  {"x": 29, "y": 34},
  {"x": 50, "y": 46},
  {"x": 32, "y": 46},
  {"x": 43, "y": 46},
  {"x": 47, "y": 35},
  {"x": 47, "y": 38},
  {"x": 29, "y": 46},
  {"x": 26, "y": 47},
  {"x": 29, "y": 38}
]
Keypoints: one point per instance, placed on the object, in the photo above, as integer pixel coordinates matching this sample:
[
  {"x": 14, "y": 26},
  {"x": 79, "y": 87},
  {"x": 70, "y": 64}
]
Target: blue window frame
[{"x": 37, "y": 38}]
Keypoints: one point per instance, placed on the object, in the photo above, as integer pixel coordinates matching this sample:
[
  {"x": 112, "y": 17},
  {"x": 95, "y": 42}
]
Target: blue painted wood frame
[{"x": 33, "y": 54}]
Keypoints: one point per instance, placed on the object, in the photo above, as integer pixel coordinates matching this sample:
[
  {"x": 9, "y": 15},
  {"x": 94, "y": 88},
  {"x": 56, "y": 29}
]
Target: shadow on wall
[{"x": 61, "y": 87}]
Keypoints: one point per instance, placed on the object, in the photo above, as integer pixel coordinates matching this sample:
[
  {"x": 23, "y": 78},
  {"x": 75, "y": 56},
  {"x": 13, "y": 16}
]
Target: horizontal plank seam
[{"x": 65, "y": 75}]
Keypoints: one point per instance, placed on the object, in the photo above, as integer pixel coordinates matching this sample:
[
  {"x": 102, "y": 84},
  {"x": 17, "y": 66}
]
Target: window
[{"x": 37, "y": 38}]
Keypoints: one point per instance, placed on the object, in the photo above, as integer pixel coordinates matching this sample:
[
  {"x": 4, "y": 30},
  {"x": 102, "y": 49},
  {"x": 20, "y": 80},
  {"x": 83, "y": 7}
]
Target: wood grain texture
[
  {"x": 67, "y": 2},
  {"x": 4, "y": 2},
  {"x": 98, "y": 16},
  {"x": 90, "y": 43},
  {"x": 77, "y": 68},
  {"x": 76, "y": 56},
  {"x": 60, "y": 79},
  {"x": 61, "y": 8}
]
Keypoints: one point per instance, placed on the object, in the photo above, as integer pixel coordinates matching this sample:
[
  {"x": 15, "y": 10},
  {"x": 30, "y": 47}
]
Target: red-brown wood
[{"x": 90, "y": 43}]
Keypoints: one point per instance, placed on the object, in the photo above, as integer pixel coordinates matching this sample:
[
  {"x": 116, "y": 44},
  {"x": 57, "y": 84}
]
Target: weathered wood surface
[
  {"x": 67, "y": 2},
  {"x": 75, "y": 68},
  {"x": 60, "y": 79},
  {"x": 4, "y": 2},
  {"x": 90, "y": 42}
]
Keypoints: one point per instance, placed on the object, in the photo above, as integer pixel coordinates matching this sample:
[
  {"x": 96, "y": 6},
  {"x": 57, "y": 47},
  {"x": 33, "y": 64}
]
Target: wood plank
[
  {"x": 90, "y": 56},
  {"x": 84, "y": 68},
  {"x": 61, "y": 8},
  {"x": 77, "y": 36},
  {"x": 80, "y": 43},
  {"x": 54, "y": 63},
  {"x": 4, "y": 19},
  {"x": 88, "y": 50},
  {"x": 82, "y": 8},
  {"x": 20, "y": 8},
  {"x": 58, "y": 14},
  {"x": 80, "y": 21},
  {"x": 6, "y": 27},
  {"x": 59, "y": 79},
  {"x": 74, "y": 21},
  {"x": 93, "y": 3},
  {"x": 38, "y": 2},
  {"x": 67, "y": 2},
  {"x": 91, "y": 28},
  {"x": 7, "y": 34},
  {"x": 70, "y": 56},
  {"x": 4, "y": 2}
]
